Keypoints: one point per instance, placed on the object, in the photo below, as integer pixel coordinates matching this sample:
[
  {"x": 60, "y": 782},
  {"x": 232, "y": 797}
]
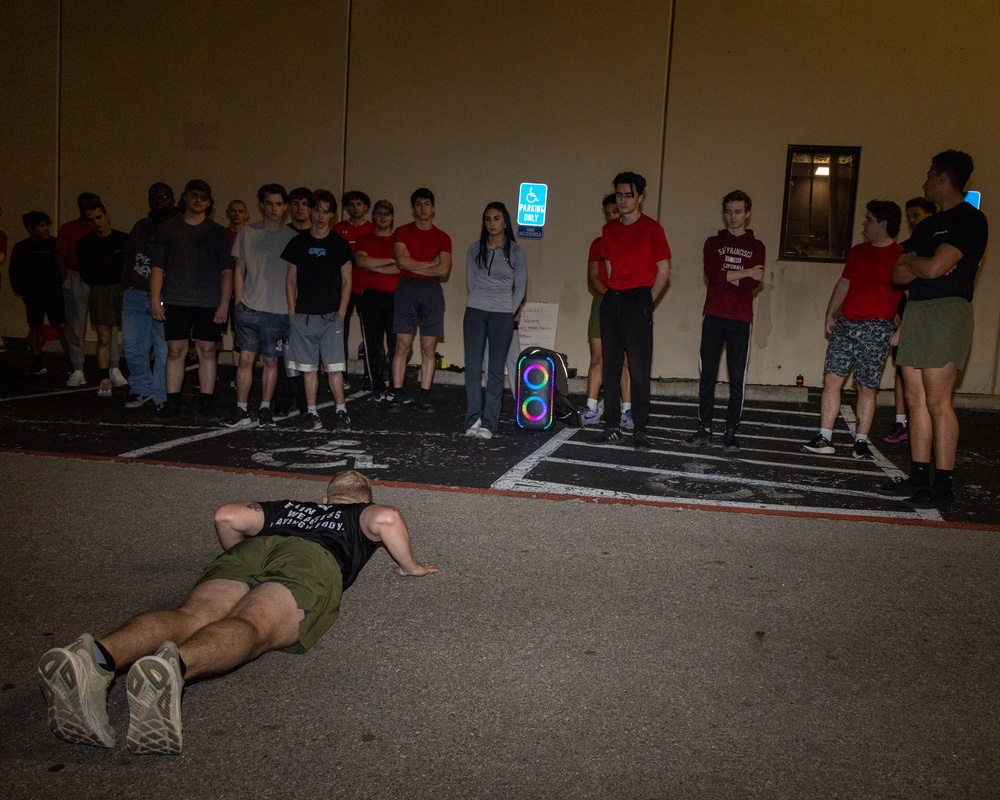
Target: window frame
[{"x": 845, "y": 228}]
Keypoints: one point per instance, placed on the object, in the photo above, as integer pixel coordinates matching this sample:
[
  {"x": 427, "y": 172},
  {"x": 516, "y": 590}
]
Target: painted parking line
[{"x": 565, "y": 451}]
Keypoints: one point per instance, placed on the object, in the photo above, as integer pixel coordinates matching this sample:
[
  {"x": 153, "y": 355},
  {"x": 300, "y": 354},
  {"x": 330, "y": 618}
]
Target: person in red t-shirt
[
  {"x": 374, "y": 256},
  {"x": 423, "y": 255},
  {"x": 355, "y": 204},
  {"x": 734, "y": 268},
  {"x": 637, "y": 257},
  {"x": 76, "y": 293},
  {"x": 597, "y": 274},
  {"x": 860, "y": 319}
]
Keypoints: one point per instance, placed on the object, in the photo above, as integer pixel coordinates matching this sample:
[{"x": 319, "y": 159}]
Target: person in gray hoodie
[{"x": 497, "y": 270}]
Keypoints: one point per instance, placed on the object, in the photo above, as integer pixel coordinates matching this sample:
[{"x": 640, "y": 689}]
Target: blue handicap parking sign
[{"x": 531, "y": 204}]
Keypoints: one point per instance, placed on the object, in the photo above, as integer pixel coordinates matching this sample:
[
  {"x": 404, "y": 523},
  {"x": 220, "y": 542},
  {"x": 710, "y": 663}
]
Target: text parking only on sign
[{"x": 531, "y": 210}]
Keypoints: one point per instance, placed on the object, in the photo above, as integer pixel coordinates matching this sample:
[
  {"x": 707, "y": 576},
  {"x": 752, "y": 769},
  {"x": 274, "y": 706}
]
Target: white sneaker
[
  {"x": 117, "y": 378},
  {"x": 154, "y": 687},
  {"x": 474, "y": 430},
  {"x": 589, "y": 417},
  {"x": 76, "y": 690},
  {"x": 484, "y": 433},
  {"x": 77, "y": 378}
]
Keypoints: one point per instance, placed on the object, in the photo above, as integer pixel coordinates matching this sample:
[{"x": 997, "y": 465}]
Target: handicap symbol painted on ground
[{"x": 335, "y": 454}]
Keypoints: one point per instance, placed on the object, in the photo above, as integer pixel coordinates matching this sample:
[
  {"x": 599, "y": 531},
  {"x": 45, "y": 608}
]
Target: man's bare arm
[
  {"x": 836, "y": 301},
  {"x": 662, "y": 277},
  {"x": 385, "y": 266},
  {"x": 239, "y": 276},
  {"x": 222, "y": 312},
  {"x": 291, "y": 287},
  {"x": 385, "y": 524},
  {"x": 346, "y": 278},
  {"x": 238, "y": 521},
  {"x": 405, "y": 261},
  {"x": 910, "y": 265},
  {"x": 593, "y": 277}
]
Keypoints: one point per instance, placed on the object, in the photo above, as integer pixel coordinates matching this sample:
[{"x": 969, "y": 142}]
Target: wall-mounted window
[{"x": 821, "y": 185}]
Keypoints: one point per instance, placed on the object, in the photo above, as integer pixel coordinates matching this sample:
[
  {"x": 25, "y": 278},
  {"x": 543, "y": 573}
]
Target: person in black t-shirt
[
  {"x": 938, "y": 266},
  {"x": 277, "y": 586},
  {"x": 318, "y": 289}
]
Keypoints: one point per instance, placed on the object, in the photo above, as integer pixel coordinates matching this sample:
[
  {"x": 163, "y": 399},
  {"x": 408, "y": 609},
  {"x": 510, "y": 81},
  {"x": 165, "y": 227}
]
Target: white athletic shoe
[
  {"x": 76, "y": 691},
  {"x": 77, "y": 378},
  {"x": 117, "y": 378},
  {"x": 154, "y": 703}
]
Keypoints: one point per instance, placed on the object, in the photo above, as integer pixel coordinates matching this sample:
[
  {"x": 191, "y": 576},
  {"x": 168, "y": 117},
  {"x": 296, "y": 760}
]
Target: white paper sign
[{"x": 538, "y": 325}]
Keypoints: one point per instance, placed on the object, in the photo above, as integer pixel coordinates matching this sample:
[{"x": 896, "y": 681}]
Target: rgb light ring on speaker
[
  {"x": 528, "y": 381},
  {"x": 541, "y": 415}
]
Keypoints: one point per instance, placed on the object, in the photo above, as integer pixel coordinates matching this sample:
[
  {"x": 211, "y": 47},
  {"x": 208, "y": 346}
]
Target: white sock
[
  {"x": 242, "y": 406},
  {"x": 341, "y": 407},
  {"x": 592, "y": 404},
  {"x": 826, "y": 433},
  {"x": 901, "y": 419},
  {"x": 626, "y": 407}
]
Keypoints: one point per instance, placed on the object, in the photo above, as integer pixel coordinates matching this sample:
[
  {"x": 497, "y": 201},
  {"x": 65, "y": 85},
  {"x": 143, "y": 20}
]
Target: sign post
[{"x": 531, "y": 203}]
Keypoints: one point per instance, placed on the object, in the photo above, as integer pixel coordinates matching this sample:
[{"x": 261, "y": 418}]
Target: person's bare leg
[
  {"x": 595, "y": 373},
  {"x": 177, "y": 350},
  {"x": 626, "y": 382},
  {"x": 921, "y": 429},
  {"x": 899, "y": 393},
  {"x": 866, "y": 409},
  {"x": 310, "y": 380},
  {"x": 143, "y": 634},
  {"x": 268, "y": 379},
  {"x": 830, "y": 404},
  {"x": 208, "y": 365},
  {"x": 103, "y": 346},
  {"x": 939, "y": 383},
  {"x": 267, "y": 618},
  {"x": 404, "y": 349},
  {"x": 428, "y": 349},
  {"x": 244, "y": 375},
  {"x": 336, "y": 381}
]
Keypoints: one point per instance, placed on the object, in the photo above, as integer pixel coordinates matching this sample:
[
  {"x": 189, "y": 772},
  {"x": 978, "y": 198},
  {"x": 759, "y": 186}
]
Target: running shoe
[
  {"x": 76, "y": 691},
  {"x": 154, "y": 687},
  {"x": 820, "y": 445}
]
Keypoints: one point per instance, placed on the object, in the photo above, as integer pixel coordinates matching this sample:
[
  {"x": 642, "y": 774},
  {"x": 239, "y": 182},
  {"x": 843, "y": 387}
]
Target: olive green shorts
[
  {"x": 105, "y": 305},
  {"x": 935, "y": 332},
  {"x": 594, "y": 323},
  {"x": 309, "y": 571}
]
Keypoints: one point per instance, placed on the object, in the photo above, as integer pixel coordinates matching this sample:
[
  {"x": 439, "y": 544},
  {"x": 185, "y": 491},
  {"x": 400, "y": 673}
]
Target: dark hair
[
  {"x": 484, "y": 236},
  {"x": 956, "y": 165},
  {"x": 33, "y": 219},
  {"x": 421, "y": 194},
  {"x": 921, "y": 202},
  {"x": 88, "y": 201},
  {"x": 323, "y": 196},
  {"x": 95, "y": 207},
  {"x": 609, "y": 200},
  {"x": 736, "y": 195},
  {"x": 633, "y": 179},
  {"x": 299, "y": 193},
  {"x": 355, "y": 194},
  {"x": 272, "y": 188},
  {"x": 888, "y": 212}
]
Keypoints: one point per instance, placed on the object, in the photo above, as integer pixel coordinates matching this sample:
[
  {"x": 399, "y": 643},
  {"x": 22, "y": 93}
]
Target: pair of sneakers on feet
[
  {"x": 820, "y": 445},
  {"x": 76, "y": 692},
  {"x": 703, "y": 438}
]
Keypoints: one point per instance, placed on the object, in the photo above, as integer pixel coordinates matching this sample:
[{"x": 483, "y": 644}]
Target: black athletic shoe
[
  {"x": 424, "y": 406},
  {"x": 208, "y": 414},
  {"x": 265, "y": 418},
  {"x": 820, "y": 445},
  {"x": 640, "y": 441},
  {"x": 238, "y": 418},
  {"x": 862, "y": 451},
  {"x": 608, "y": 435},
  {"x": 341, "y": 422},
  {"x": 729, "y": 442},
  {"x": 930, "y": 497},
  {"x": 700, "y": 438},
  {"x": 898, "y": 490}
]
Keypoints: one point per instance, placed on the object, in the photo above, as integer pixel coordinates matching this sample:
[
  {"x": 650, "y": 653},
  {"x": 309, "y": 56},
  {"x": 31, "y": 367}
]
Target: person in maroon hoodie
[{"x": 734, "y": 268}]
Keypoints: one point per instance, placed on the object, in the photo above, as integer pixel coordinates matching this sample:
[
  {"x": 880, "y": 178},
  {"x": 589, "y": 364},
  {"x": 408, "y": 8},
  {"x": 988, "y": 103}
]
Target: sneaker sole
[
  {"x": 243, "y": 423},
  {"x": 154, "y": 704},
  {"x": 64, "y": 685},
  {"x": 820, "y": 451}
]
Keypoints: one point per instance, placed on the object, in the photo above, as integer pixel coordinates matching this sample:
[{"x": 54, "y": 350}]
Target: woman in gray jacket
[{"x": 496, "y": 270}]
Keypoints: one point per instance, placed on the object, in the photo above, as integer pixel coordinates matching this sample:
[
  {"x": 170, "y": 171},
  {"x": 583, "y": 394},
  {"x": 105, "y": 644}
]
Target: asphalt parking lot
[{"x": 771, "y": 474}]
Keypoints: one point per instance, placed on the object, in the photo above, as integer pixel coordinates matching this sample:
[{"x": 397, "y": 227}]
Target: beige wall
[{"x": 473, "y": 99}]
